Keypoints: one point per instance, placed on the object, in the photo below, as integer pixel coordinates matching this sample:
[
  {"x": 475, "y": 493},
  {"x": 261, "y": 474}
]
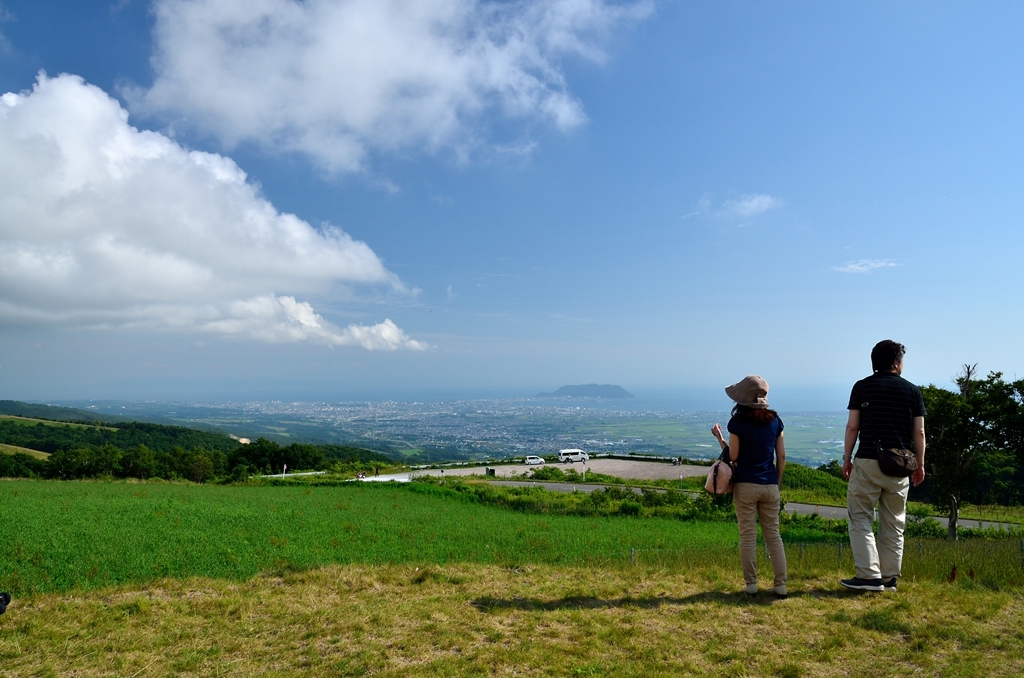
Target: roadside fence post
[
  {"x": 840, "y": 554},
  {"x": 632, "y": 555},
  {"x": 801, "y": 559}
]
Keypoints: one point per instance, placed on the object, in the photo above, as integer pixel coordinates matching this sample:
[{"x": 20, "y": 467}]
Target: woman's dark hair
[{"x": 758, "y": 416}]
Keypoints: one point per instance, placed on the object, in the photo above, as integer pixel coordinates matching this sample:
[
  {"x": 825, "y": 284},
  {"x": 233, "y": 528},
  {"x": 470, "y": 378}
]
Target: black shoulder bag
[{"x": 896, "y": 462}]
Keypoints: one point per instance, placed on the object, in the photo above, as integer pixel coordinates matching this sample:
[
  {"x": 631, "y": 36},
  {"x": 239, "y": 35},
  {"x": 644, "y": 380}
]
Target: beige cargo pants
[{"x": 868, "y": 487}]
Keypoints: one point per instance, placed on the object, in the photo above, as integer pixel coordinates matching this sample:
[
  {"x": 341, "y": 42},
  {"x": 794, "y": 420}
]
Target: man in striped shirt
[{"x": 886, "y": 412}]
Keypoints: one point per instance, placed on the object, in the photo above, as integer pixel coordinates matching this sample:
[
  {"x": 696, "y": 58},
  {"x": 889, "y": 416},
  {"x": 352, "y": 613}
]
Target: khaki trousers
[
  {"x": 753, "y": 501},
  {"x": 869, "y": 486}
]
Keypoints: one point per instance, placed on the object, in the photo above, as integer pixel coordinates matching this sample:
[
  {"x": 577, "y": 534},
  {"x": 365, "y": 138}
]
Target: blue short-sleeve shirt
[{"x": 756, "y": 461}]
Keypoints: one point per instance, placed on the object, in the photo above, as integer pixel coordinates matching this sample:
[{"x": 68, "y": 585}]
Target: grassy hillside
[
  {"x": 14, "y": 449},
  {"x": 360, "y": 579},
  {"x": 91, "y": 534},
  {"x": 94, "y": 534}
]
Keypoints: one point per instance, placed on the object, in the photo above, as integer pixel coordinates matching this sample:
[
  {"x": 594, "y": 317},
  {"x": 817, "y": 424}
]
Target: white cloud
[
  {"x": 283, "y": 319},
  {"x": 864, "y": 265},
  {"x": 338, "y": 79},
  {"x": 105, "y": 225},
  {"x": 749, "y": 205},
  {"x": 5, "y": 44}
]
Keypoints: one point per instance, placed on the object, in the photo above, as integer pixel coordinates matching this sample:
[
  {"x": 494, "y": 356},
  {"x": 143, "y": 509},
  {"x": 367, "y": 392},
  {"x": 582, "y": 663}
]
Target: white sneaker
[
  {"x": 750, "y": 589},
  {"x": 780, "y": 591}
]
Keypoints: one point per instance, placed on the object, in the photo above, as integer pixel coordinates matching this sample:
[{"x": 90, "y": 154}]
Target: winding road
[{"x": 630, "y": 470}]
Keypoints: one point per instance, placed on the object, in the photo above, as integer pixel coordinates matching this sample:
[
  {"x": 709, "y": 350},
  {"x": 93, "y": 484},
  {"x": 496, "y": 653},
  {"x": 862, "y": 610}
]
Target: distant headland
[{"x": 603, "y": 391}]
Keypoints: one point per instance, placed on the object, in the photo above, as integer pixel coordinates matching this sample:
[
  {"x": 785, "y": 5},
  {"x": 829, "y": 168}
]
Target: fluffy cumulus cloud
[
  {"x": 102, "y": 224},
  {"x": 865, "y": 265},
  {"x": 337, "y": 79}
]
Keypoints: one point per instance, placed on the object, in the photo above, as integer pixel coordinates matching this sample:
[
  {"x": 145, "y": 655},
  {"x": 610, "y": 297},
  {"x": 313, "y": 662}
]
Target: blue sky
[{"x": 354, "y": 199}]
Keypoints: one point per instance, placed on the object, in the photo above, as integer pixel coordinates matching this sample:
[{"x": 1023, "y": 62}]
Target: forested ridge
[
  {"x": 50, "y": 438},
  {"x": 141, "y": 450},
  {"x": 52, "y": 412}
]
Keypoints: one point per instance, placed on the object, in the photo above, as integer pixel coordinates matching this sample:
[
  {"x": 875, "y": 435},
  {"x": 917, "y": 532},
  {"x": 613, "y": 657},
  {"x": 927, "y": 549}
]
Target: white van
[{"x": 572, "y": 455}]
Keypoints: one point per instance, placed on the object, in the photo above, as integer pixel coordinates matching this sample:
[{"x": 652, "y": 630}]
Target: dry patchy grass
[{"x": 533, "y": 621}]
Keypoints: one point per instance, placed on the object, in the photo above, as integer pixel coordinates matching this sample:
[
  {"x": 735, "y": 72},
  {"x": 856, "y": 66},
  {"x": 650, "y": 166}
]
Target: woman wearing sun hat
[{"x": 757, "y": 449}]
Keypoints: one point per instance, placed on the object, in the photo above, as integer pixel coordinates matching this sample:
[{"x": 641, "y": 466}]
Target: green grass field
[
  {"x": 84, "y": 535},
  {"x": 64, "y": 535},
  {"x": 1007, "y": 514},
  {"x": 161, "y": 579}
]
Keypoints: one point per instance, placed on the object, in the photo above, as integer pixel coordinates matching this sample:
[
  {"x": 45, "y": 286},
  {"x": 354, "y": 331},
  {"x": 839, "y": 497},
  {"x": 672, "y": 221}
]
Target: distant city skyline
[{"x": 355, "y": 199}]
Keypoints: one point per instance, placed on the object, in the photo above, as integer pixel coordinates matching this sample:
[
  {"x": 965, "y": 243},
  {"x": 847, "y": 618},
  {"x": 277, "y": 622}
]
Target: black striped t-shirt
[{"x": 888, "y": 404}]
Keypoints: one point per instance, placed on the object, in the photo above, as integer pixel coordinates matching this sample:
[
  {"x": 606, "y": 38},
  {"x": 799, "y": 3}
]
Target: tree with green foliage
[
  {"x": 833, "y": 468},
  {"x": 139, "y": 462},
  {"x": 967, "y": 430},
  {"x": 1006, "y": 413},
  {"x": 21, "y": 465}
]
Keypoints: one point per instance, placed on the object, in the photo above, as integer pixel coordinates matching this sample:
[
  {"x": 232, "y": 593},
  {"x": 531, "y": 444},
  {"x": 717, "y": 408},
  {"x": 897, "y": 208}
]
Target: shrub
[
  {"x": 21, "y": 465},
  {"x": 924, "y": 528},
  {"x": 549, "y": 473},
  {"x": 630, "y": 507},
  {"x": 833, "y": 468},
  {"x": 799, "y": 477}
]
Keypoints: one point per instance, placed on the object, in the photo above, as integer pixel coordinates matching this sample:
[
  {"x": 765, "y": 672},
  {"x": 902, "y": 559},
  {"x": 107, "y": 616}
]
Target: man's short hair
[{"x": 886, "y": 354}]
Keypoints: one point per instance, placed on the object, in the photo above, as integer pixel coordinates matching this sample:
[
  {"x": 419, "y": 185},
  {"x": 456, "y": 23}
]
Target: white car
[
  {"x": 532, "y": 460},
  {"x": 572, "y": 455}
]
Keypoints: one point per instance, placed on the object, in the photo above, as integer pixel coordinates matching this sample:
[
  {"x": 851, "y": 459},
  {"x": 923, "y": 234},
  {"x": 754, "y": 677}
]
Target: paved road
[
  {"x": 834, "y": 512},
  {"x": 632, "y": 470}
]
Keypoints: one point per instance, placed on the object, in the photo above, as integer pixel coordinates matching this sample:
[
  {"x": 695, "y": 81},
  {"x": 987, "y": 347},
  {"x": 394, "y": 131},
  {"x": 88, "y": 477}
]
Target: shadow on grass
[{"x": 738, "y": 599}]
